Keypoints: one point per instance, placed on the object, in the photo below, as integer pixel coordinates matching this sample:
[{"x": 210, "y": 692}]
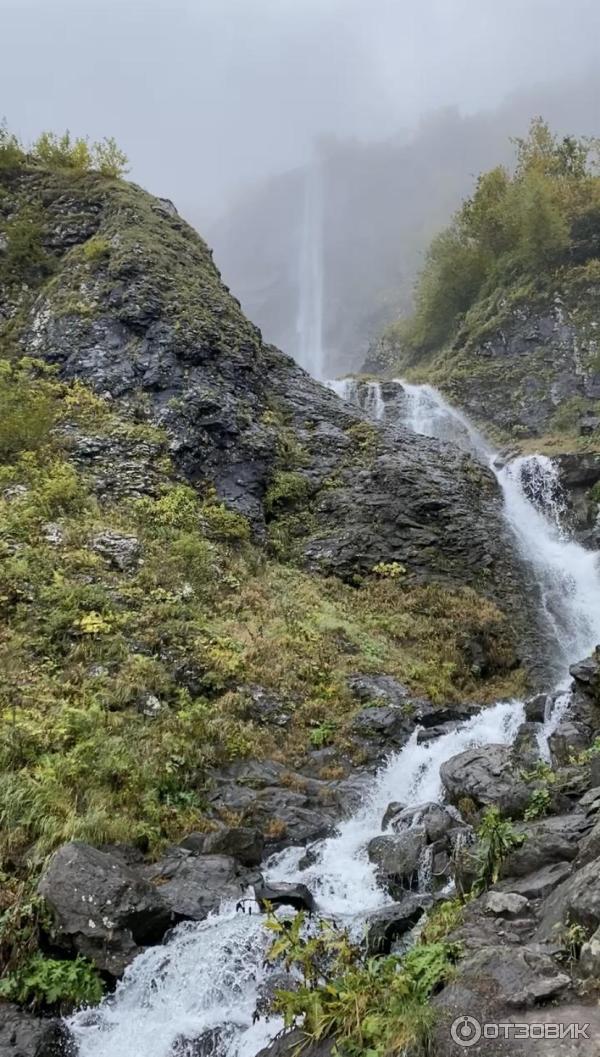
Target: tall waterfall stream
[{"x": 208, "y": 976}]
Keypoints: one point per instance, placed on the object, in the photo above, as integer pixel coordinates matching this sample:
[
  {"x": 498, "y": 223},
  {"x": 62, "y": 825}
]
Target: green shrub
[
  {"x": 108, "y": 158},
  {"x": 24, "y": 259},
  {"x": 496, "y": 839},
  {"x": 96, "y": 249},
  {"x": 375, "y": 1006},
  {"x": 285, "y": 490},
  {"x": 12, "y": 154},
  {"x": 27, "y": 411},
  {"x": 60, "y": 985},
  {"x": 64, "y": 152}
]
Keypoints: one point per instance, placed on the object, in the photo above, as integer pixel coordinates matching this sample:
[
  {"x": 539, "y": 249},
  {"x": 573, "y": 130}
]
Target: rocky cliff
[{"x": 528, "y": 368}]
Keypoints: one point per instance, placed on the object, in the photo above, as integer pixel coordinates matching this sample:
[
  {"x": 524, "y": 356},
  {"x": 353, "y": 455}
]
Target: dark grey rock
[
  {"x": 506, "y": 904},
  {"x": 193, "y": 885},
  {"x": 241, "y": 843},
  {"x": 101, "y": 907},
  {"x": 22, "y": 1034},
  {"x": 487, "y": 776},
  {"x": 279, "y": 894},
  {"x": 575, "y": 901},
  {"x": 535, "y": 708},
  {"x": 265, "y": 707},
  {"x": 387, "y": 925},
  {"x": 397, "y": 858},
  {"x": 498, "y": 984},
  {"x": 293, "y": 1042},
  {"x": 435, "y": 819},
  {"x": 541, "y": 883},
  {"x": 546, "y": 841}
]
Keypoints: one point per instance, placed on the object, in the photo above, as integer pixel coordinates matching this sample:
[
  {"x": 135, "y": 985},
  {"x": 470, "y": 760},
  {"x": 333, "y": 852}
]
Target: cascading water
[
  {"x": 206, "y": 979},
  {"x": 310, "y": 353},
  {"x": 568, "y": 576}
]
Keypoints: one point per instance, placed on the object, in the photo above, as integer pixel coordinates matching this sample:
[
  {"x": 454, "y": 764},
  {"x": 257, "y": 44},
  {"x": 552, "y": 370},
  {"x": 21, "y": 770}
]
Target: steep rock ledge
[{"x": 134, "y": 306}]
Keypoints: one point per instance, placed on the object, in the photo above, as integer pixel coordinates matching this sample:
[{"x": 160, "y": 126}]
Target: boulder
[
  {"x": 209, "y": 1044},
  {"x": 264, "y": 707},
  {"x": 487, "y": 776},
  {"x": 498, "y": 984},
  {"x": 291, "y": 1043},
  {"x": 101, "y": 907},
  {"x": 586, "y": 674},
  {"x": 575, "y": 901},
  {"x": 546, "y": 841},
  {"x": 397, "y": 858},
  {"x": 526, "y": 746},
  {"x": 242, "y": 843},
  {"x": 117, "y": 548},
  {"x": 291, "y": 808},
  {"x": 589, "y": 958},
  {"x": 535, "y": 708},
  {"x": 279, "y": 894},
  {"x": 589, "y": 847},
  {"x": 436, "y": 820},
  {"x": 506, "y": 904},
  {"x": 22, "y": 1034},
  {"x": 391, "y": 812},
  {"x": 390, "y": 923},
  {"x": 193, "y": 885}
]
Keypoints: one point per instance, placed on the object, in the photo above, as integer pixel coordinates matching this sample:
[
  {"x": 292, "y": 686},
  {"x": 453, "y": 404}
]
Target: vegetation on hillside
[
  {"x": 54, "y": 152},
  {"x": 518, "y": 227}
]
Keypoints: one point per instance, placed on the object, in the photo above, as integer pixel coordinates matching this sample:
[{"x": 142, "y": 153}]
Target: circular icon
[{"x": 466, "y": 1031}]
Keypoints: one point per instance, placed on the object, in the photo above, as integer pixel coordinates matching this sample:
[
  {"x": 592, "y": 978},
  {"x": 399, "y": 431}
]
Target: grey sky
[{"x": 207, "y": 95}]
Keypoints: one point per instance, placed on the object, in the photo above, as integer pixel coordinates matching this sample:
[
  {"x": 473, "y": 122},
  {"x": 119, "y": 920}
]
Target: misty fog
[{"x": 221, "y": 104}]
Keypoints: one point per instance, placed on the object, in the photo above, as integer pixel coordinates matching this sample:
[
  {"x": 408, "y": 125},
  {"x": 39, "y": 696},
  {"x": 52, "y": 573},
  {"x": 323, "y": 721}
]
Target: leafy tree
[
  {"x": 108, "y": 158},
  {"x": 517, "y": 225},
  {"x": 62, "y": 152}
]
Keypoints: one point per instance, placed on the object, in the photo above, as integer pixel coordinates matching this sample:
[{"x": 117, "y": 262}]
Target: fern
[{"x": 62, "y": 985}]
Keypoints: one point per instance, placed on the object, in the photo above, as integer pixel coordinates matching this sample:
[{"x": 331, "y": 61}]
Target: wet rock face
[
  {"x": 535, "y": 374},
  {"x": 579, "y": 474}
]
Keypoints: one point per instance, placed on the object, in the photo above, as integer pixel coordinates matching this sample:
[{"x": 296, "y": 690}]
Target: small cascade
[
  {"x": 364, "y": 394},
  {"x": 311, "y": 353}
]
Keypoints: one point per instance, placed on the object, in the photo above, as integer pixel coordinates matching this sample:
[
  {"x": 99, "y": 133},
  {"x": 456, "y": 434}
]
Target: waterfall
[
  {"x": 568, "y": 576},
  {"x": 311, "y": 354},
  {"x": 205, "y": 980}
]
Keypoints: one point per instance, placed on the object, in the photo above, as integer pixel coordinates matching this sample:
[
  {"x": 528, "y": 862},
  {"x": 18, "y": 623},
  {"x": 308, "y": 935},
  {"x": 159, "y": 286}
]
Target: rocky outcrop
[
  {"x": 161, "y": 326},
  {"x": 529, "y": 368}
]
